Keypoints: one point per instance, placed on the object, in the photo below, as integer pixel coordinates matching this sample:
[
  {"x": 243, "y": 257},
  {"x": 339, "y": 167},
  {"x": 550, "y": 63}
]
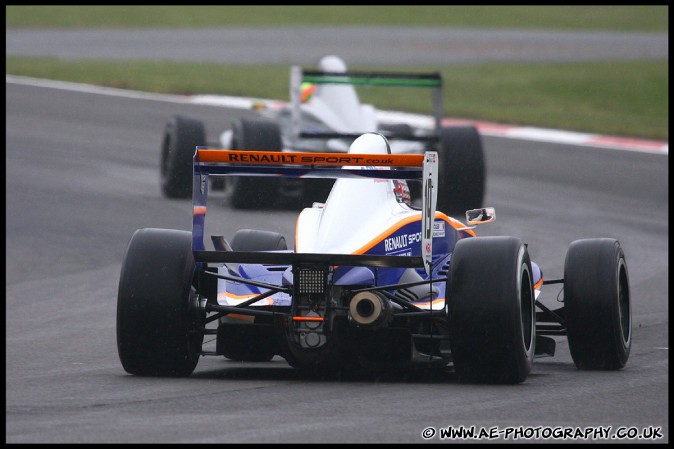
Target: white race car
[{"x": 325, "y": 115}]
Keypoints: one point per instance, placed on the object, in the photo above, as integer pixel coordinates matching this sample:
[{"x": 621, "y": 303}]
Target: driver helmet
[
  {"x": 402, "y": 191},
  {"x": 307, "y": 91}
]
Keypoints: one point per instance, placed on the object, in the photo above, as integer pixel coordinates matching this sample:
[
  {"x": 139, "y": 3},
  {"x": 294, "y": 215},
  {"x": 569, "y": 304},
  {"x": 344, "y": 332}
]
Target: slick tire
[
  {"x": 157, "y": 323},
  {"x": 256, "y": 240},
  {"x": 397, "y": 130},
  {"x": 181, "y": 137},
  {"x": 258, "y": 135},
  {"x": 462, "y": 170},
  {"x": 491, "y": 310},
  {"x": 597, "y": 304}
]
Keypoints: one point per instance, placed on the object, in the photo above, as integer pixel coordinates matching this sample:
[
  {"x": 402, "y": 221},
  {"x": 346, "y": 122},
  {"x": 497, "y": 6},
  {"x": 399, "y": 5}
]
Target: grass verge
[{"x": 619, "y": 98}]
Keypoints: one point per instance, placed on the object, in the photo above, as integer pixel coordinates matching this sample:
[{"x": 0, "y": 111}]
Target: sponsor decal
[
  {"x": 372, "y": 163},
  {"x": 261, "y": 158},
  {"x": 438, "y": 229},
  {"x": 395, "y": 243},
  {"x": 275, "y": 157},
  {"x": 399, "y": 245}
]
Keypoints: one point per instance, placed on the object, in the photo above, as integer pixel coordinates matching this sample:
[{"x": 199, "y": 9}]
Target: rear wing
[
  {"x": 210, "y": 162},
  {"x": 298, "y": 75}
]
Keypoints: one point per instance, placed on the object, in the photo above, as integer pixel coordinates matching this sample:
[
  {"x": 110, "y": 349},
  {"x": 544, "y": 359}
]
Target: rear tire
[
  {"x": 181, "y": 137},
  {"x": 397, "y": 130},
  {"x": 491, "y": 310},
  {"x": 157, "y": 324},
  {"x": 597, "y": 304},
  {"x": 257, "y": 135},
  {"x": 462, "y": 170},
  {"x": 255, "y": 240}
]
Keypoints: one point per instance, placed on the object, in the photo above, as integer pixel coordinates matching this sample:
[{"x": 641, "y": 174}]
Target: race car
[
  {"x": 371, "y": 281},
  {"x": 325, "y": 114}
]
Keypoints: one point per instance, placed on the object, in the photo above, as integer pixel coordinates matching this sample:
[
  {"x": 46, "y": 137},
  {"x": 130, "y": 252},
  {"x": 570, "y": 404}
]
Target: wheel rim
[
  {"x": 624, "y": 303},
  {"x": 526, "y": 308}
]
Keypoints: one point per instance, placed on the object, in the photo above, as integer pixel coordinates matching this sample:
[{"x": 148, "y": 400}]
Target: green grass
[
  {"x": 651, "y": 18},
  {"x": 621, "y": 98}
]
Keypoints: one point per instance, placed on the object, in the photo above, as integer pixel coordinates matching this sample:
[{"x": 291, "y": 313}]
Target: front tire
[
  {"x": 157, "y": 325},
  {"x": 181, "y": 137},
  {"x": 491, "y": 310},
  {"x": 597, "y": 304}
]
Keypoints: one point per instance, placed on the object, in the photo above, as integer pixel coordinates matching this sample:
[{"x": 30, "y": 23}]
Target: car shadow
[{"x": 279, "y": 370}]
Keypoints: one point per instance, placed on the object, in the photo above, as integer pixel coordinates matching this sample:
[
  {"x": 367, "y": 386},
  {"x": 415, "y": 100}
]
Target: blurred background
[{"x": 600, "y": 69}]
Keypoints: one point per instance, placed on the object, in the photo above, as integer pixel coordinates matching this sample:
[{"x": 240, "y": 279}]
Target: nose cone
[{"x": 370, "y": 143}]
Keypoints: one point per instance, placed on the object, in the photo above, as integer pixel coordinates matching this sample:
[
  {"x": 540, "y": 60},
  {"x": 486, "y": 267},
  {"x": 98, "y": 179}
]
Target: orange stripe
[
  {"x": 368, "y": 246},
  {"x": 372, "y": 243},
  {"x": 199, "y": 210},
  {"x": 456, "y": 224},
  {"x": 234, "y": 297},
  {"x": 471, "y": 232},
  {"x": 321, "y": 159},
  {"x": 308, "y": 318},
  {"x": 241, "y": 317},
  {"x": 538, "y": 284},
  {"x": 423, "y": 304}
]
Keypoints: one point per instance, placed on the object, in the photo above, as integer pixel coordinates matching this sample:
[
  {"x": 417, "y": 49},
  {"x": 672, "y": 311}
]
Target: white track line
[{"x": 486, "y": 128}]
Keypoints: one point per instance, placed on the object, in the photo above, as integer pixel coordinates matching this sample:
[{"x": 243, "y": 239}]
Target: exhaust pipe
[{"x": 370, "y": 309}]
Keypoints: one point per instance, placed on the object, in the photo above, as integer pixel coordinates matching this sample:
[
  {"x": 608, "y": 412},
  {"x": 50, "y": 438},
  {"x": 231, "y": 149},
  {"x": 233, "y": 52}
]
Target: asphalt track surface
[
  {"x": 378, "y": 46},
  {"x": 82, "y": 176}
]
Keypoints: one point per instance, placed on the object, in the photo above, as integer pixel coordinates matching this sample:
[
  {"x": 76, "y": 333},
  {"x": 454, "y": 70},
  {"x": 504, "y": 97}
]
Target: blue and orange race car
[{"x": 372, "y": 281}]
